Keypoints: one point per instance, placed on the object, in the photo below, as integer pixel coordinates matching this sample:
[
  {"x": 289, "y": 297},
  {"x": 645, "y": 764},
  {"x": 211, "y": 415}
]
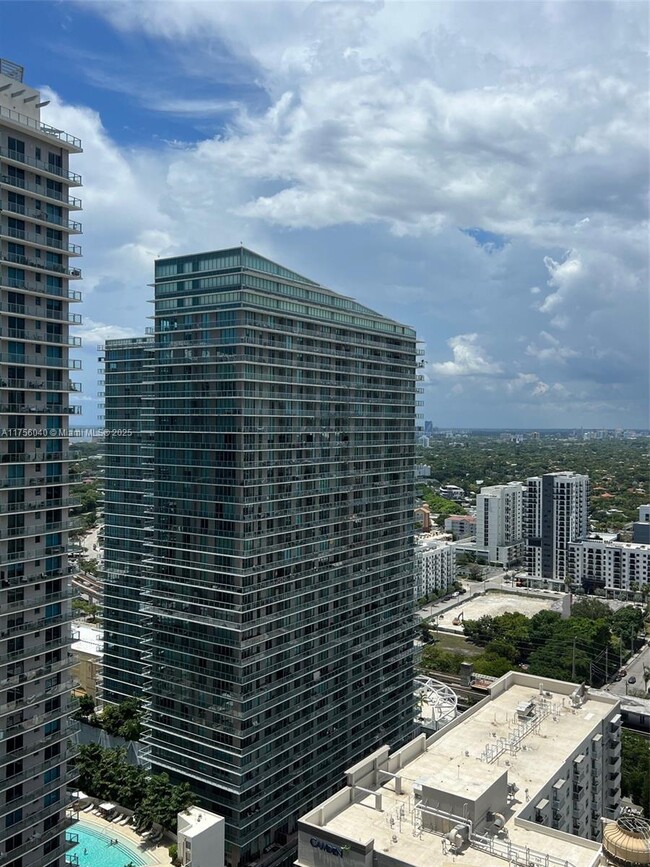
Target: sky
[{"x": 478, "y": 170}]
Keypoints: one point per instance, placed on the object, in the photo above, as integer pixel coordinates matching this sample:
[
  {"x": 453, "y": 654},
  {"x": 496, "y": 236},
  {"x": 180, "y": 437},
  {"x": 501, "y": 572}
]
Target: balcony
[
  {"x": 38, "y": 265},
  {"x": 40, "y": 313},
  {"x": 41, "y": 337},
  {"x": 37, "y": 215},
  {"x": 36, "y": 839},
  {"x": 41, "y": 192},
  {"x": 41, "y": 289},
  {"x": 47, "y": 169},
  {"x": 39, "y": 361},
  {"x": 14, "y": 118},
  {"x": 41, "y": 241}
]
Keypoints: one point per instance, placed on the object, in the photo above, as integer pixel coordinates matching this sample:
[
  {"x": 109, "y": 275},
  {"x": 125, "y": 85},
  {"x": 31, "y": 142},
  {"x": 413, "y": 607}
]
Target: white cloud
[
  {"x": 404, "y": 123},
  {"x": 470, "y": 359}
]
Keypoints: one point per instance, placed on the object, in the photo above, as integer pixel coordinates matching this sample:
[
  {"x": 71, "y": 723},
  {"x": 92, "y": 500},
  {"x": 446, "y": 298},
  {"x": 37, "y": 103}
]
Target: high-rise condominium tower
[
  {"x": 499, "y": 522},
  {"x": 279, "y": 598},
  {"x": 556, "y": 512},
  {"x": 127, "y": 365},
  {"x": 35, "y": 588}
]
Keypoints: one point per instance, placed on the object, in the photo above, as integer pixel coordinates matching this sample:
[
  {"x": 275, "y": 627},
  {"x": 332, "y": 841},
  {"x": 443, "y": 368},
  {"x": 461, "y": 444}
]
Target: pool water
[{"x": 94, "y": 849}]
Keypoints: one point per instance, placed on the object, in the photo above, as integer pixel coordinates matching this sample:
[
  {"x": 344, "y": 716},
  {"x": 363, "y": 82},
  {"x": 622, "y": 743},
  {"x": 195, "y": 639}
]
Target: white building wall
[
  {"x": 435, "y": 566},
  {"x": 611, "y": 565},
  {"x": 499, "y": 521}
]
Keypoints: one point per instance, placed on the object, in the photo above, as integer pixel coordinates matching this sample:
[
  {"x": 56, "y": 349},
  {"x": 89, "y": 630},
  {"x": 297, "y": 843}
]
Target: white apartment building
[
  {"x": 596, "y": 563},
  {"x": 499, "y": 522},
  {"x": 435, "y": 564},
  {"x": 555, "y": 513},
  {"x": 523, "y": 777}
]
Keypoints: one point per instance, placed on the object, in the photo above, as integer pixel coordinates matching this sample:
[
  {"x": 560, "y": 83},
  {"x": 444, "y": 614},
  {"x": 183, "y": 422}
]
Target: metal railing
[{"x": 37, "y": 126}]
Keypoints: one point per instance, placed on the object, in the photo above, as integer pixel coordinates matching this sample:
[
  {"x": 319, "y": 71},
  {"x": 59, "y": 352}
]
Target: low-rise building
[
  {"x": 435, "y": 564},
  {"x": 201, "y": 838},
  {"x": 523, "y": 777},
  {"x": 452, "y": 492},
  {"x": 87, "y": 651},
  {"x": 608, "y": 565},
  {"x": 461, "y": 526}
]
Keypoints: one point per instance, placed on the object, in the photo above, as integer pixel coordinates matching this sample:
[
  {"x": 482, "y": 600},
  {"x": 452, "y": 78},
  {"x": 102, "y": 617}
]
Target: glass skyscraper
[
  {"x": 279, "y": 599},
  {"x": 126, "y": 402},
  {"x": 36, "y": 272}
]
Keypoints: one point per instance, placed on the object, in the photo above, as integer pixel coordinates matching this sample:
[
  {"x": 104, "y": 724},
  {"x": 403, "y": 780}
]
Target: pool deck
[{"x": 158, "y": 853}]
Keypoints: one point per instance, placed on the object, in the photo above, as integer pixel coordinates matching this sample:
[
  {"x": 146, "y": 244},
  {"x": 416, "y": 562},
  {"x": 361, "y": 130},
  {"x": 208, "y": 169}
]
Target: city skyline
[{"x": 480, "y": 181}]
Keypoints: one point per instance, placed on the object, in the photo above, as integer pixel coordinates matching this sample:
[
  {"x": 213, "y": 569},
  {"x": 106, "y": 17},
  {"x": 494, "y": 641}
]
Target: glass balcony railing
[
  {"x": 38, "y": 288},
  {"x": 41, "y": 240},
  {"x": 41, "y": 166},
  {"x": 38, "y": 190},
  {"x": 39, "y": 265},
  {"x": 41, "y": 216}
]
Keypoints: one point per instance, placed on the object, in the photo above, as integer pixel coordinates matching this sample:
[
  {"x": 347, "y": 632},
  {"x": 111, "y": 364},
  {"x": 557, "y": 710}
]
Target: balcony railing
[
  {"x": 41, "y": 241},
  {"x": 40, "y": 166},
  {"x": 39, "y": 313},
  {"x": 36, "y": 125},
  {"x": 41, "y": 337},
  {"x": 39, "y": 361},
  {"x": 41, "y": 216},
  {"x": 38, "y": 264},
  {"x": 54, "y": 291},
  {"x": 41, "y": 191}
]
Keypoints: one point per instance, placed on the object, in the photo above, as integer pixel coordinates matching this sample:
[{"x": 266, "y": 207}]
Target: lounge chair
[
  {"x": 117, "y": 817},
  {"x": 125, "y": 820},
  {"x": 90, "y": 807}
]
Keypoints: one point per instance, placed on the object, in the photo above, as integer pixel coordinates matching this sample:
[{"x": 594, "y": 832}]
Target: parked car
[{"x": 631, "y": 679}]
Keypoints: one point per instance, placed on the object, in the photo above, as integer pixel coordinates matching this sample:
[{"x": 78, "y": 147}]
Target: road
[{"x": 634, "y": 669}]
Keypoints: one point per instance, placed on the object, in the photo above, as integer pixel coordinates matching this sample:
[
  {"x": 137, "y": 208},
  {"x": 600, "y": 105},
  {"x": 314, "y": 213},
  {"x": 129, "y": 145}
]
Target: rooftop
[
  {"x": 90, "y": 639},
  {"x": 466, "y": 758}
]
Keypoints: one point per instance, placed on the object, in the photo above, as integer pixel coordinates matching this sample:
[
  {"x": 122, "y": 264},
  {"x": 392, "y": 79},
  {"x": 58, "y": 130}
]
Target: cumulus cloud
[
  {"x": 386, "y": 129},
  {"x": 470, "y": 359}
]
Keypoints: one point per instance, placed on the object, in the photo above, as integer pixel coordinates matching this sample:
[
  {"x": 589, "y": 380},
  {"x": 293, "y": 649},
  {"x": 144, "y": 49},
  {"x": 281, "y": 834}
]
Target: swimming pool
[{"x": 94, "y": 849}]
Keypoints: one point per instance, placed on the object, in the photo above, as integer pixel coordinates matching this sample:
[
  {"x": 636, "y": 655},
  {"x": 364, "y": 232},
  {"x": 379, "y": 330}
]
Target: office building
[
  {"x": 36, "y": 274},
  {"x": 523, "y": 777},
  {"x": 597, "y": 564},
  {"x": 126, "y": 463},
  {"x": 435, "y": 564},
  {"x": 279, "y": 597},
  {"x": 499, "y": 529},
  {"x": 555, "y": 513}
]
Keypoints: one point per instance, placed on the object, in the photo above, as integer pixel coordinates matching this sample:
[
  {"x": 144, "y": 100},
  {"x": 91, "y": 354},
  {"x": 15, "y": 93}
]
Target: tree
[
  {"x": 626, "y": 622},
  {"x": 86, "y": 706},
  {"x": 635, "y": 760},
  {"x": 424, "y": 631},
  {"x": 492, "y": 665},
  {"x": 481, "y": 631},
  {"x": 435, "y": 659},
  {"x": 590, "y": 608},
  {"x": 123, "y": 720}
]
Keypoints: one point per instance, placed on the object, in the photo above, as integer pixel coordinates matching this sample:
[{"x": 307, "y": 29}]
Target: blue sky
[{"x": 478, "y": 170}]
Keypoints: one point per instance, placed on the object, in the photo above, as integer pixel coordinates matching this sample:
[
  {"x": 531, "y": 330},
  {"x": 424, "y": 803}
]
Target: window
[{"x": 51, "y": 798}]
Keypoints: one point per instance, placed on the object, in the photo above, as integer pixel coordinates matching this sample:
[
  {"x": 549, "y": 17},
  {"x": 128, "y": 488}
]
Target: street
[{"x": 634, "y": 669}]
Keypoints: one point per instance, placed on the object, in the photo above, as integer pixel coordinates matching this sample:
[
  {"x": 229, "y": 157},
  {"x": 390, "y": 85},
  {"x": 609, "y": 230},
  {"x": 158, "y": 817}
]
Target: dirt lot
[{"x": 495, "y": 604}]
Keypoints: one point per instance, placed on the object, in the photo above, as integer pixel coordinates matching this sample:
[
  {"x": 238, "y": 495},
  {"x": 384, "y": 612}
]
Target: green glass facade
[
  {"x": 277, "y": 611},
  {"x": 127, "y": 366}
]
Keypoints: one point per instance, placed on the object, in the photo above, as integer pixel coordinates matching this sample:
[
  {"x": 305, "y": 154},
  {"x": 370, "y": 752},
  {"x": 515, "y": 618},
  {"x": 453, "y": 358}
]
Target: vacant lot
[
  {"x": 457, "y": 644},
  {"x": 495, "y": 604}
]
